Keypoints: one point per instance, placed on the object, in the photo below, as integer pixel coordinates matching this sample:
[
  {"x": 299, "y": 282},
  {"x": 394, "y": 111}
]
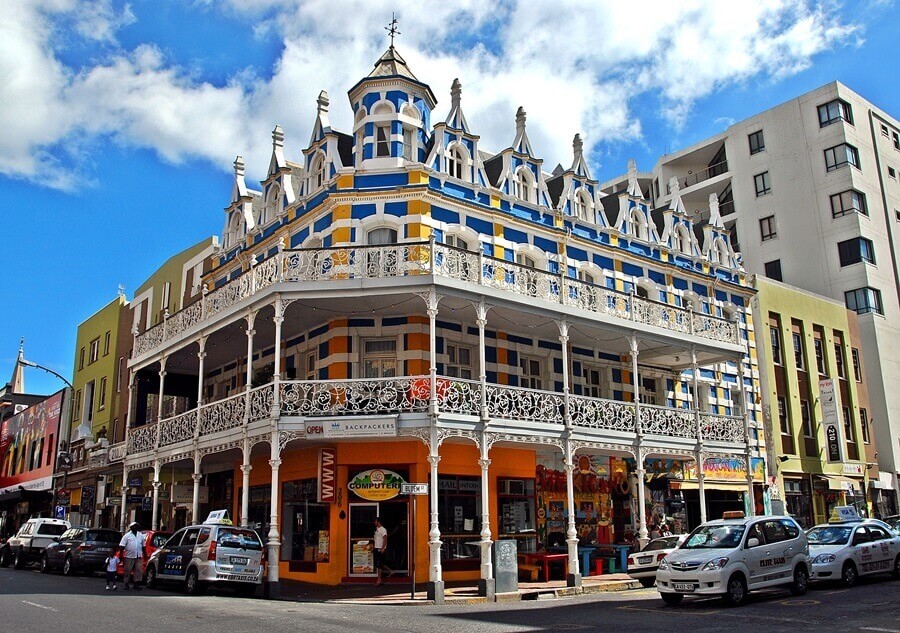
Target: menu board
[
  {"x": 322, "y": 549},
  {"x": 363, "y": 560}
]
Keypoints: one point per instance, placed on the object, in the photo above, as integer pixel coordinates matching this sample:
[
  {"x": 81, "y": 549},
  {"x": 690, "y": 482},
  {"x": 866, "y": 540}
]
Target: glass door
[{"x": 361, "y": 562}]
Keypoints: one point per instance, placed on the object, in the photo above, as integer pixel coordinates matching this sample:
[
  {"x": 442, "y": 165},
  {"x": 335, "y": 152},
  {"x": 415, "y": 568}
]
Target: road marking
[
  {"x": 666, "y": 611},
  {"x": 39, "y": 606},
  {"x": 799, "y": 603},
  {"x": 879, "y": 630}
]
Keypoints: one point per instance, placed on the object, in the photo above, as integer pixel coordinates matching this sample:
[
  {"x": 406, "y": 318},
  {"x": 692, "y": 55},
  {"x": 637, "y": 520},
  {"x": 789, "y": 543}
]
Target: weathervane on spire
[{"x": 392, "y": 28}]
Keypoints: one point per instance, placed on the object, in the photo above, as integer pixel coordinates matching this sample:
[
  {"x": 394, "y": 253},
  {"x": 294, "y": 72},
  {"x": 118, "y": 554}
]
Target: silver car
[
  {"x": 198, "y": 556},
  {"x": 642, "y": 565}
]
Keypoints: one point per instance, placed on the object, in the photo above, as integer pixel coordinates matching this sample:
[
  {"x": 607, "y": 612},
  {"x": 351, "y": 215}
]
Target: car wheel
[
  {"x": 192, "y": 584},
  {"x": 849, "y": 575},
  {"x": 736, "y": 591},
  {"x": 671, "y": 599},
  {"x": 801, "y": 581},
  {"x": 896, "y": 572},
  {"x": 68, "y": 567},
  {"x": 5, "y": 557},
  {"x": 647, "y": 582},
  {"x": 19, "y": 560},
  {"x": 150, "y": 577},
  {"x": 45, "y": 564}
]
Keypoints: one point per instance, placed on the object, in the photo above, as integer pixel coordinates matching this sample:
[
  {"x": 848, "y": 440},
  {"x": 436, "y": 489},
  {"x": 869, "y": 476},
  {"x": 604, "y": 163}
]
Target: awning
[
  {"x": 25, "y": 495},
  {"x": 709, "y": 485},
  {"x": 837, "y": 482}
]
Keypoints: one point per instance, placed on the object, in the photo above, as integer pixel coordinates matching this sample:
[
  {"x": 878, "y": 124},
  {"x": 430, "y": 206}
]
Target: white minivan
[
  {"x": 735, "y": 555},
  {"x": 210, "y": 554}
]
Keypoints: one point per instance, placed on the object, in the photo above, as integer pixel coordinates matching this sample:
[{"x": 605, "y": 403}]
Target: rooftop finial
[
  {"x": 392, "y": 28},
  {"x": 322, "y": 101},
  {"x": 520, "y": 119},
  {"x": 455, "y": 93},
  {"x": 278, "y": 136},
  {"x": 577, "y": 146},
  {"x": 239, "y": 166},
  {"x": 634, "y": 187}
]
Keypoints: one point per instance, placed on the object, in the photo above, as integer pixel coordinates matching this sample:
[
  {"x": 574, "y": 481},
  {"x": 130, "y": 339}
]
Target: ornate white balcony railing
[
  {"x": 419, "y": 258},
  {"x": 412, "y": 394}
]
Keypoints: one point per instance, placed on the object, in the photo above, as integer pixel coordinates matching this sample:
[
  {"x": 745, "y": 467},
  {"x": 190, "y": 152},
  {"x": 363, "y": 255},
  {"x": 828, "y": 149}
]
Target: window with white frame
[
  {"x": 638, "y": 225},
  {"x": 864, "y": 426},
  {"x": 459, "y": 361},
  {"x": 649, "y": 390},
  {"x": 456, "y": 163},
  {"x": 593, "y": 381},
  {"x": 586, "y": 276},
  {"x": 524, "y": 185},
  {"x": 583, "y": 206},
  {"x": 530, "y": 374},
  {"x": 806, "y": 420},
  {"x": 95, "y": 350},
  {"x": 379, "y": 358},
  {"x": 381, "y": 236},
  {"x": 318, "y": 172},
  {"x": 524, "y": 259},
  {"x": 681, "y": 240},
  {"x": 382, "y": 140},
  {"x": 857, "y": 368},
  {"x": 784, "y": 421},
  {"x": 309, "y": 366},
  {"x": 409, "y": 144}
]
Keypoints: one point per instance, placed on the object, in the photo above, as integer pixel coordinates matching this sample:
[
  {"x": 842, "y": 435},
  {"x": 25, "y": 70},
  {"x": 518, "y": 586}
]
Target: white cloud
[{"x": 576, "y": 66}]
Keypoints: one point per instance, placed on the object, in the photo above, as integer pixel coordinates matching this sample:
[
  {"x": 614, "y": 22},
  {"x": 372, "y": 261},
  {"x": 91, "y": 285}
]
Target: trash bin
[{"x": 506, "y": 566}]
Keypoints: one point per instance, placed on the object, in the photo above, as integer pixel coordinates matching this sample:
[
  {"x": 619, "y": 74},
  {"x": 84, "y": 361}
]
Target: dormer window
[
  {"x": 637, "y": 225},
  {"x": 582, "y": 206},
  {"x": 382, "y": 140},
  {"x": 524, "y": 185},
  {"x": 318, "y": 172},
  {"x": 681, "y": 241},
  {"x": 455, "y": 163}
]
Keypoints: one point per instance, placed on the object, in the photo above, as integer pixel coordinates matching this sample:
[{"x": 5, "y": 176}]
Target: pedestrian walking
[
  {"x": 381, "y": 539},
  {"x": 132, "y": 546},
  {"x": 112, "y": 566}
]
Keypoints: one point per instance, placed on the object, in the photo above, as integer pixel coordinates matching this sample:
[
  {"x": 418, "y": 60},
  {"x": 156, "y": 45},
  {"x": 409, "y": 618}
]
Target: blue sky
[{"x": 121, "y": 120}]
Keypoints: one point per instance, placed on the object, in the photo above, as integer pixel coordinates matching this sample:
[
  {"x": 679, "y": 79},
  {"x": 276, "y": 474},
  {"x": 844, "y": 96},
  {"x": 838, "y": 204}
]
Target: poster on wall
[
  {"x": 322, "y": 549},
  {"x": 27, "y": 448},
  {"x": 363, "y": 561},
  {"x": 830, "y": 420}
]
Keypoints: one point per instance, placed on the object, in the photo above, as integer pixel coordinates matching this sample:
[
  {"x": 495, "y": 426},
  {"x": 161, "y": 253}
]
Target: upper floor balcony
[
  {"x": 431, "y": 262},
  {"x": 460, "y": 399}
]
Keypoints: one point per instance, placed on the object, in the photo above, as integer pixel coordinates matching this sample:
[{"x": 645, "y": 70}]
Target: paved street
[{"x": 30, "y": 601}]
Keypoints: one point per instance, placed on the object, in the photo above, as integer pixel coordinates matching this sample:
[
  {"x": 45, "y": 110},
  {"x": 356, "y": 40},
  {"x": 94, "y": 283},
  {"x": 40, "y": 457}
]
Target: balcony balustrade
[
  {"x": 412, "y": 394},
  {"x": 699, "y": 176},
  {"x": 430, "y": 258}
]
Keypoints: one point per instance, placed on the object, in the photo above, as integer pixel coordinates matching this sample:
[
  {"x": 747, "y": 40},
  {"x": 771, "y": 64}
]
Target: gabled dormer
[
  {"x": 678, "y": 226},
  {"x": 239, "y": 218},
  {"x": 574, "y": 194},
  {"x": 634, "y": 219},
  {"x": 391, "y": 115},
  {"x": 329, "y": 152},
  {"x": 516, "y": 172},
  {"x": 454, "y": 150},
  {"x": 716, "y": 239},
  {"x": 278, "y": 191}
]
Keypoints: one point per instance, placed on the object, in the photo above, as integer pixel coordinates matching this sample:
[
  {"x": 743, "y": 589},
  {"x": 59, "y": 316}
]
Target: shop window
[
  {"x": 305, "y": 523},
  {"x": 459, "y": 517},
  {"x": 516, "y": 512},
  {"x": 459, "y": 361},
  {"x": 798, "y": 501}
]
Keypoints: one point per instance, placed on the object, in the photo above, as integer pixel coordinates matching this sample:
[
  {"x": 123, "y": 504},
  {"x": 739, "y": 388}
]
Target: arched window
[
  {"x": 681, "y": 240},
  {"x": 381, "y": 262},
  {"x": 719, "y": 254},
  {"x": 641, "y": 292},
  {"x": 318, "y": 172},
  {"x": 583, "y": 206},
  {"x": 524, "y": 185},
  {"x": 526, "y": 260},
  {"x": 235, "y": 230},
  {"x": 638, "y": 225},
  {"x": 457, "y": 241},
  {"x": 586, "y": 277},
  {"x": 456, "y": 163},
  {"x": 272, "y": 208},
  {"x": 381, "y": 236}
]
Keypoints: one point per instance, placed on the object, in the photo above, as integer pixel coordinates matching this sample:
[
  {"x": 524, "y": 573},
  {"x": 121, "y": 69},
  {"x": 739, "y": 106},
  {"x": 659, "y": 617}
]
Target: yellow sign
[{"x": 376, "y": 484}]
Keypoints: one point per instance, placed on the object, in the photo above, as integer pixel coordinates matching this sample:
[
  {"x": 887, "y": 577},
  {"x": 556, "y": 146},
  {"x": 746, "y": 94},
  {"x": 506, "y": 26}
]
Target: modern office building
[
  {"x": 399, "y": 305},
  {"x": 809, "y": 190}
]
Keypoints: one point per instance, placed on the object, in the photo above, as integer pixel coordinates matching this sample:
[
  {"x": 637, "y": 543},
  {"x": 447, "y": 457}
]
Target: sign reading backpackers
[
  {"x": 830, "y": 421},
  {"x": 376, "y": 484}
]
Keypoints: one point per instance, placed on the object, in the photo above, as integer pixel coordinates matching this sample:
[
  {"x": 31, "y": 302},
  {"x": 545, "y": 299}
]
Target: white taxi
[
  {"x": 845, "y": 551},
  {"x": 735, "y": 555},
  {"x": 642, "y": 565}
]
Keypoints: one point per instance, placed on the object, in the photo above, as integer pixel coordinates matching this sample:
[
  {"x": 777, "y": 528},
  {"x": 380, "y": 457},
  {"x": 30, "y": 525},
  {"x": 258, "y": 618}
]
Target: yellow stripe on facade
[
  {"x": 418, "y": 178},
  {"x": 345, "y": 181}
]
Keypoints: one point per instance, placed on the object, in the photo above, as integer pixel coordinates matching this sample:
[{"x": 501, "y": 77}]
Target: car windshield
[
  {"x": 110, "y": 536},
  {"x": 53, "y": 529},
  {"x": 241, "y": 539},
  {"x": 661, "y": 543},
  {"x": 831, "y": 535},
  {"x": 715, "y": 537}
]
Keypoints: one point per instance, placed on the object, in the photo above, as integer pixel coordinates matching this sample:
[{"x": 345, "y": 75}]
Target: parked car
[
  {"x": 846, "y": 551},
  {"x": 80, "y": 549},
  {"x": 735, "y": 555},
  {"x": 27, "y": 545},
  {"x": 642, "y": 565},
  {"x": 153, "y": 540},
  {"x": 211, "y": 554}
]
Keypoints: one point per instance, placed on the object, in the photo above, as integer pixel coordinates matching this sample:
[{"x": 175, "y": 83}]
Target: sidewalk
[{"x": 397, "y": 592}]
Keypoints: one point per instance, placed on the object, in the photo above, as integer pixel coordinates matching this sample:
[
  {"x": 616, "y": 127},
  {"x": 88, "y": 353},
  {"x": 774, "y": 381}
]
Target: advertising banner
[
  {"x": 376, "y": 484},
  {"x": 344, "y": 428},
  {"x": 830, "y": 421},
  {"x": 327, "y": 475},
  {"x": 28, "y": 446}
]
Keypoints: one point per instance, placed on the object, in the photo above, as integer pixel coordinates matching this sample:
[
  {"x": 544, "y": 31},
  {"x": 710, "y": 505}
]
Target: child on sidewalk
[{"x": 112, "y": 564}]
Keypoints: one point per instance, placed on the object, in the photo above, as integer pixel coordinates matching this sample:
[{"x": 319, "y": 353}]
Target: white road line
[
  {"x": 39, "y": 606},
  {"x": 878, "y": 630}
]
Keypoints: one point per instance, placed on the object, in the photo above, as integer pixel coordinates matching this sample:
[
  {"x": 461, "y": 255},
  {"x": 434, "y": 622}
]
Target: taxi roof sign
[
  {"x": 733, "y": 514},
  {"x": 844, "y": 513},
  {"x": 218, "y": 517}
]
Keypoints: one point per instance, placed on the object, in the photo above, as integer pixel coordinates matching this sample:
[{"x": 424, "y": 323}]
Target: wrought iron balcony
[
  {"x": 412, "y": 394},
  {"x": 431, "y": 258}
]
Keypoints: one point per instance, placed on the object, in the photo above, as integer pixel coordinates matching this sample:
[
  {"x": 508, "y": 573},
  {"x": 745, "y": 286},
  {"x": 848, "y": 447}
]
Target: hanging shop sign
[
  {"x": 853, "y": 469},
  {"x": 376, "y": 484},
  {"x": 343, "y": 428},
  {"x": 135, "y": 482},
  {"x": 327, "y": 475},
  {"x": 830, "y": 420},
  {"x": 727, "y": 469}
]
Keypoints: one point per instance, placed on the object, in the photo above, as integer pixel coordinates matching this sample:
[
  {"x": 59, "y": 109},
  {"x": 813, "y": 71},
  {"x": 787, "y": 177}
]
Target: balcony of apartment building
[
  {"x": 545, "y": 353},
  {"x": 699, "y": 172}
]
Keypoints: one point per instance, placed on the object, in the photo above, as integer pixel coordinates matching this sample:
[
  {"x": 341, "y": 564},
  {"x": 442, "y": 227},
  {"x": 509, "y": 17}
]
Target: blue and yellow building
[{"x": 400, "y": 305}]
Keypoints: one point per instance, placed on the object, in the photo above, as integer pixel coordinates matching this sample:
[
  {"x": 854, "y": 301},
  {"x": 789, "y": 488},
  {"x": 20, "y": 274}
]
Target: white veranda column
[
  {"x": 124, "y": 512},
  {"x": 245, "y": 484},
  {"x": 435, "y": 572},
  {"x": 745, "y": 414},
  {"x": 274, "y": 540},
  {"x": 574, "y": 577},
  {"x": 701, "y": 476},
  {"x": 481, "y": 311},
  {"x": 643, "y": 537},
  {"x": 195, "y": 500},
  {"x": 278, "y": 319},
  {"x": 156, "y": 484},
  {"x": 486, "y": 585}
]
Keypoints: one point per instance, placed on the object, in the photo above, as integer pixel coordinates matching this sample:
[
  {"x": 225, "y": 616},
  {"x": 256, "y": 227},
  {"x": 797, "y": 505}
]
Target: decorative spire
[
  {"x": 578, "y": 164},
  {"x": 715, "y": 219},
  {"x": 277, "y": 162},
  {"x": 17, "y": 382},
  {"x": 277, "y": 137},
  {"x": 634, "y": 187},
  {"x": 676, "y": 203},
  {"x": 322, "y": 125},
  {"x": 456, "y": 119},
  {"x": 392, "y": 28},
  {"x": 322, "y": 102},
  {"x": 521, "y": 144}
]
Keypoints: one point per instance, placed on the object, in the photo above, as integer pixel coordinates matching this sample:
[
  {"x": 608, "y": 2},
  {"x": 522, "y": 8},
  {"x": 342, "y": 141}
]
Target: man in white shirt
[
  {"x": 379, "y": 550},
  {"x": 132, "y": 545}
]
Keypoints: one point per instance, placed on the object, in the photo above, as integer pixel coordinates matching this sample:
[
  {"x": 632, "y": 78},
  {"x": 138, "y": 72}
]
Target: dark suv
[{"x": 80, "y": 549}]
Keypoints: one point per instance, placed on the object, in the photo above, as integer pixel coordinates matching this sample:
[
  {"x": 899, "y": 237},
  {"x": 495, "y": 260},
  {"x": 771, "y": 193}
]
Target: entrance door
[
  {"x": 394, "y": 515},
  {"x": 362, "y": 531}
]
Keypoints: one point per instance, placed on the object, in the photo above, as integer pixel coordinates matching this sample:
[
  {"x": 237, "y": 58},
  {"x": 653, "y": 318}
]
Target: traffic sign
[{"x": 413, "y": 489}]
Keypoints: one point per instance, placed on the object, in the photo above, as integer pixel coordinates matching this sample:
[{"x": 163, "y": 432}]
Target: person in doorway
[
  {"x": 112, "y": 565},
  {"x": 132, "y": 546},
  {"x": 380, "y": 538}
]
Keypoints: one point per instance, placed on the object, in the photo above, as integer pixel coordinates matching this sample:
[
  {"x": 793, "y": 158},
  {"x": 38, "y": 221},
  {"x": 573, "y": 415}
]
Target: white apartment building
[{"x": 810, "y": 192}]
